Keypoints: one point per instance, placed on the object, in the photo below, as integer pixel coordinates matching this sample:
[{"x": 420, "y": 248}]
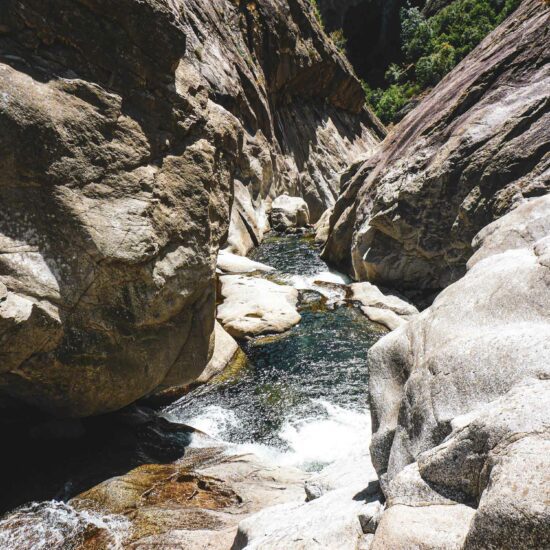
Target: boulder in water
[
  {"x": 253, "y": 306},
  {"x": 289, "y": 213}
]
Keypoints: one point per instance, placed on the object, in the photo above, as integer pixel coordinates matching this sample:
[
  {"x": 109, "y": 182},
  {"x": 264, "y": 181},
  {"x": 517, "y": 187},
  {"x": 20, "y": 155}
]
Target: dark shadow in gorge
[{"x": 46, "y": 458}]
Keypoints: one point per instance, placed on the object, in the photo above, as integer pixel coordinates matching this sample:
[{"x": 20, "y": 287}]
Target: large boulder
[
  {"x": 461, "y": 393},
  {"x": 130, "y": 134},
  {"x": 473, "y": 149},
  {"x": 252, "y": 306},
  {"x": 289, "y": 213}
]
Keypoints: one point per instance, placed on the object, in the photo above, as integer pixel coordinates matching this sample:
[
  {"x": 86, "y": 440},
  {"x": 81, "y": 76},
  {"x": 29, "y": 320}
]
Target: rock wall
[
  {"x": 460, "y": 398},
  {"x": 472, "y": 150},
  {"x": 124, "y": 129}
]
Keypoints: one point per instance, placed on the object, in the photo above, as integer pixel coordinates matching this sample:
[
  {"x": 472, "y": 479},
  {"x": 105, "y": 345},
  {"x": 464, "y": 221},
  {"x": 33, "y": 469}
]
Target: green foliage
[
  {"x": 317, "y": 12},
  {"x": 339, "y": 40},
  {"x": 389, "y": 102},
  {"x": 432, "y": 47}
]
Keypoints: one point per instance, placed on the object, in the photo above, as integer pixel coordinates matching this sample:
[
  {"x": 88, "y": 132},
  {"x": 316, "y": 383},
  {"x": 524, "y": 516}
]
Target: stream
[
  {"x": 299, "y": 400},
  {"x": 302, "y": 398}
]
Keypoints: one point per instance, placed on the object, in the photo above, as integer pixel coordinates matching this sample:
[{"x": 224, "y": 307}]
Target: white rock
[
  {"x": 330, "y": 522},
  {"x": 385, "y": 317},
  {"x": 322, "y": 227},
  {"x": 441, "y": 527},
  {"x": 289, "y": 212},
  {"x": 225, "y": 348},
  {"x": 371, "y": 296},
  {"x": 253, "y": 306},
  {"x": 233, "y": 263}
]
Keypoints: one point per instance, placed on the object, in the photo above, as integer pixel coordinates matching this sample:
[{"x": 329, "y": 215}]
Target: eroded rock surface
[
  {"x": 252, "y": 306},
  {"x": 196, "y": 502},
  {"x": 471, "y": 151},
  {"x": 128, "y": 130},
  {"x": 460, "y": 399}
]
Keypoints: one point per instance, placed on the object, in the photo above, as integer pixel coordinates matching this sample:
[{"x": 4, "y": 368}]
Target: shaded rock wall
[
  {"x": 372, "y": 29},
  {"x": 123, "y": 128},
  {"x": 470, "y": 152}
]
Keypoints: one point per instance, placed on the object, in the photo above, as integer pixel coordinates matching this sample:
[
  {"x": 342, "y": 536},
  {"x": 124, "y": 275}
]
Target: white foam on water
[
  {"x": 53, "y": 524},
  {"x": 313, "y": 442},
  {"x": 318, "y": 441},
  {"x": 214, "y": 420}
]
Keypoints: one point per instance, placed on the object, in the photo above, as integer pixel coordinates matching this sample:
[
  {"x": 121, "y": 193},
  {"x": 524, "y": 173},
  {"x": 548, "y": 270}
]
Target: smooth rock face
[
  {"x": 386, "y": 309},
  {"x": 289, "y": 213},
  {"x": 225, "y": 349},
  {"x": 127, "y": 132},
  {"x": 196, "y": 502},
  {"x": 322, "y": 227},
  {"x": 460, "y": 398},
  {"x": 232, "y": 263},
  {"x": 471, "y": 151},
  {"x": 331, "y": 521},
  {"x": 423, "y": 528},
  {"x": 253, "y": 306}
]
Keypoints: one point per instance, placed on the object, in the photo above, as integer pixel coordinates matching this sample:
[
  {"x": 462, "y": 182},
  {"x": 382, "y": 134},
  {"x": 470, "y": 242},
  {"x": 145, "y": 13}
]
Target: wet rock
[
  {"x": 198, "y": 500},
  {"x": 253, "y": 306},
  {"x": 289, "y": 213},
  {"x": 470, "y": 152}
]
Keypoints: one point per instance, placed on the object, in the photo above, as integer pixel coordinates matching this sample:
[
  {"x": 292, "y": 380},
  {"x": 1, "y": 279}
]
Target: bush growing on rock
[{"x": 432, "y": 46}]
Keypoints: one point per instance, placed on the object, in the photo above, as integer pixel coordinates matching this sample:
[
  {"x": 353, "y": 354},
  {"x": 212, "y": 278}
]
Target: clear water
[
  {"x": 303, "y": 394},
  {"x": 300, "y": 401}
]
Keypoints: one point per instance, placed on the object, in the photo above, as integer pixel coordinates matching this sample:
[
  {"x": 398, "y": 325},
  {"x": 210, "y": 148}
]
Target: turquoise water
[{"x": 317, "y": 372}]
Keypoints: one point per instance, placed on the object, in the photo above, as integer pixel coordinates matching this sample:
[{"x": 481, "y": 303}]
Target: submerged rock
[
  {"x": 289, "y": 213},
  {"x": 128, "y": 131},
  {"x": 473, "y": 149},
  {"x": 253, "y": 306}
]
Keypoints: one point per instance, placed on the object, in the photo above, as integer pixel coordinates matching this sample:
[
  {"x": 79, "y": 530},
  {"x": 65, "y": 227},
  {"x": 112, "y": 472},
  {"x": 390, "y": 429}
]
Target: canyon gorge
[{"x": 239, "y": 312}]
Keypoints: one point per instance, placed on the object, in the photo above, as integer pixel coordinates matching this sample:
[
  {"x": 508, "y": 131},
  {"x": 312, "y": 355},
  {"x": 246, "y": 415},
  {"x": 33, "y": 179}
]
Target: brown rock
[
  {"x": 123, "y": 128},
  {"x": 471, "y": 151}
]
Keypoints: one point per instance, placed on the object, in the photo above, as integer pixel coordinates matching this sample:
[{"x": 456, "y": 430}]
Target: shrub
[{"x": 432, "y": 47}]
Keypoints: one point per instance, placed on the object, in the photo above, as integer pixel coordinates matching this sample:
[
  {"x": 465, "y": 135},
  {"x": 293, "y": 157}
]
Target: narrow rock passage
[{"x": 302, "y": 398}]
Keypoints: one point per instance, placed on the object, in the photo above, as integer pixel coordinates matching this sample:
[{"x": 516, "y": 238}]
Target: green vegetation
[
  {"x": 317, "y": 11},
  {"x": 339, "y": 40},
  {"x": 432, "y": 47}
]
